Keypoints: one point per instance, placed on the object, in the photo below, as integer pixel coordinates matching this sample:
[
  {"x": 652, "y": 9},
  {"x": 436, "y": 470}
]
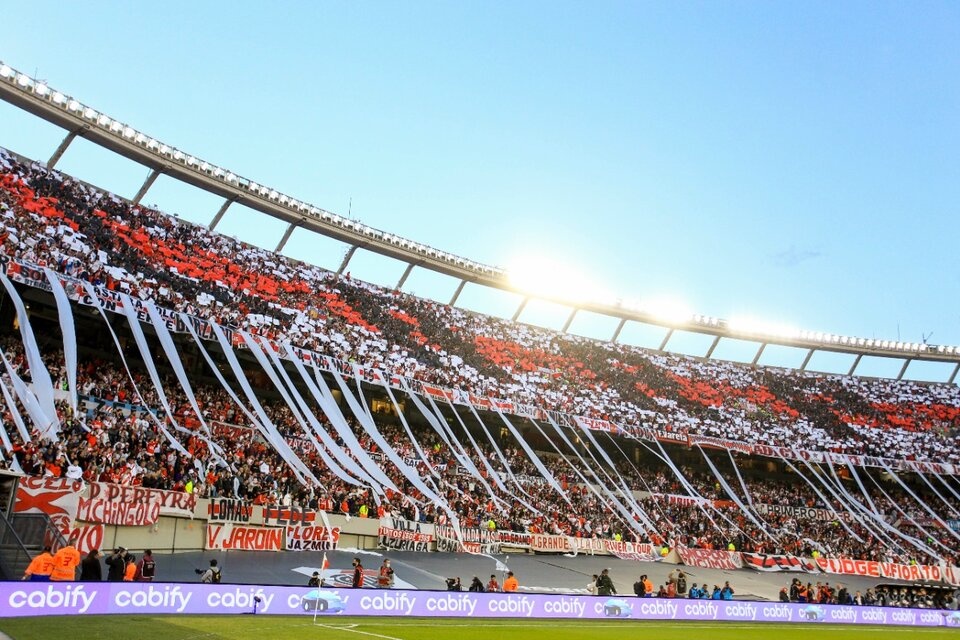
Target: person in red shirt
[{"x": 357, "y": 574}]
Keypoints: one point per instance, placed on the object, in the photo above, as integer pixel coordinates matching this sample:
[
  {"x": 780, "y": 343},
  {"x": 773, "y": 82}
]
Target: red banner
[
  {"x": 597, "y": 425},
  {"x": 119, "y": 505},
  {"x": 242, "y": 538},
  {"x": 710, "y": 558},
  {"x": 764, "y": 562},
  {"x": 892, "y": 570},
  {"x": 56, "y": 497},
  {"x": 88, "y": 536},
  {"x": 285, "y": 516}
]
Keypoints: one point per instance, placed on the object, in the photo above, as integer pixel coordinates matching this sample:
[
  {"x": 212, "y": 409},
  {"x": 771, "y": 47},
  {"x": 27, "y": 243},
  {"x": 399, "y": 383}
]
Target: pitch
[{"x": 299, "y": 628}]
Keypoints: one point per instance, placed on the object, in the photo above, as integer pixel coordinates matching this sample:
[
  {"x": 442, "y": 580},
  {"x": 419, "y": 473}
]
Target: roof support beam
[
  {"x": 523, "y": 304},
  {"x": 346, "y": 259},
  {"x": 616, "y": 334},
  {"x": 756, "y": 358},
  {"x": 566, "y": 325},
  {"x": 286, "y": 236},
  {"x": 856, "y": 363},
  {"x": 223, "y": 209},
  {"x": 456, "y": 294},
  {"x": 806, "y": 360},
  {"x": 953, "y": 376},
  {"x": 154, "y": 174},
  {"x": 716, "y": 341},
  {"x": 55, "y": 158},
  {"x": 666, "y": 339},
  {"x": 403, "y": 278},
  {"x": 903, "y": 369}
]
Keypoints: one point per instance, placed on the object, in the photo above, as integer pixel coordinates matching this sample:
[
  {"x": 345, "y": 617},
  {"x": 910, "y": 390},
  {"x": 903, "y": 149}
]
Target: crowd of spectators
[
  {"x": 112, "y": 440},
  {"x": 50, "y": 219},
  {"x": 53, "y": 219}
]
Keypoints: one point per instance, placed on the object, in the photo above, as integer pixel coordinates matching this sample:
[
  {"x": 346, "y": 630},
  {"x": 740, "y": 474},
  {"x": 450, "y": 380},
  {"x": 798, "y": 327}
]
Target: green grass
[{"x": 303, "y": 628}]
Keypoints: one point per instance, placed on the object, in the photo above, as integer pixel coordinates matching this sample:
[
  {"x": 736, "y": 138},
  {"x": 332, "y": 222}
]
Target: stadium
[{"x": 238, "y": 432}]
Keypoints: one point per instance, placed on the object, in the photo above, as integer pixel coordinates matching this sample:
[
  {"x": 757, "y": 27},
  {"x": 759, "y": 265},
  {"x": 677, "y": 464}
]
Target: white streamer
[
  {"x": 67, "y": 328},
  {"x": 42, "y": 386}
]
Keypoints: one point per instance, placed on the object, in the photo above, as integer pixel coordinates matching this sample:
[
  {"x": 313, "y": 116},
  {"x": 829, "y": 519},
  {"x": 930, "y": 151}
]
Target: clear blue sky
[{"x": 794, "y": 162}]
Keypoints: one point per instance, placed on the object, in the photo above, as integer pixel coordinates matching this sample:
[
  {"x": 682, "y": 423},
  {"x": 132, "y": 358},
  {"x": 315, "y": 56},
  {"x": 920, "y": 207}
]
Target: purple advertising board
[{"x": 86, "y": 598}]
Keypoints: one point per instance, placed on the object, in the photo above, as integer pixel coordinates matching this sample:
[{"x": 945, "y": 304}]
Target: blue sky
[{"x": 792, "y": 162}]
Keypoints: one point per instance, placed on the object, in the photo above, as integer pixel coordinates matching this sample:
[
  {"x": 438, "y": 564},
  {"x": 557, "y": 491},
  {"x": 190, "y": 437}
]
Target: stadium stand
[{"x": 52, "y": 220}]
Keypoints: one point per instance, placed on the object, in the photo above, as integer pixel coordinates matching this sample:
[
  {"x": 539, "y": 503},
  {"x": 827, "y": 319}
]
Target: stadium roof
[{"x": 78, "y": 119}]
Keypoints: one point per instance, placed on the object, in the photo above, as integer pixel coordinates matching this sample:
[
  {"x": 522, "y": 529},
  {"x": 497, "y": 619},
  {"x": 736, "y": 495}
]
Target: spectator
[
  {"x": 90, "y": 569},
  {"x": 493, "y": 586}
]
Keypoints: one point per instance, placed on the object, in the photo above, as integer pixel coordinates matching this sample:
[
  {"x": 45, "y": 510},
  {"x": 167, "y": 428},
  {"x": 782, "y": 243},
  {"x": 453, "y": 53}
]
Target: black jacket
[
  {"x": 90, "y": 569},
  {"x": 117, "y": 564},
  {"x": 605, "y": 586}
]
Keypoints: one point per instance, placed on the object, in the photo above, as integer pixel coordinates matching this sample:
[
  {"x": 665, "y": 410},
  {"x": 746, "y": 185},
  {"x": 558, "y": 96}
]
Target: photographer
[
  {"x": 453, "y": 584},
  {"x": 211, "y": 575},
  {"x": 385, "y": 579},
  {"x": 116, "y": 565}
]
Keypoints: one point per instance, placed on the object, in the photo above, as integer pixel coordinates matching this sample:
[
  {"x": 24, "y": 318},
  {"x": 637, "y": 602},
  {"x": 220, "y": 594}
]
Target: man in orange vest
[
  {"x": 510, "y": 584},
  {"x": 40, "y": 567},
  {"x": 65, "y": 562}
]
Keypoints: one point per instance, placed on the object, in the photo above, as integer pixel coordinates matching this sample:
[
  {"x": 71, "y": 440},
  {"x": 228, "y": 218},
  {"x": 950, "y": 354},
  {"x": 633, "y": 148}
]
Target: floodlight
[
  {"x": 178, "y": 155},
  {"x": 24, "y": 80},
  {"x": 41, "y": 90},
  {"x": 90, "y": 114},
  {"x": 59, "y": 98},
  {"x": 6, "y": 72}
]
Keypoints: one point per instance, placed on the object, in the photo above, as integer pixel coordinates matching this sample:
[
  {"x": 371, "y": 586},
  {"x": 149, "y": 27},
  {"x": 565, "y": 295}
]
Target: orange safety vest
[
  {"x": 41, "y": 565},
  {"x": 510, "y": 584},
  {"x": 130, "y": 572},
  {"x": 65, "y": 564}
]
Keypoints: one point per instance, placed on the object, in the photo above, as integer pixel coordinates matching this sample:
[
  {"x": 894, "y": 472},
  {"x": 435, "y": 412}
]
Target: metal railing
[{"x": 14, "y": 555}]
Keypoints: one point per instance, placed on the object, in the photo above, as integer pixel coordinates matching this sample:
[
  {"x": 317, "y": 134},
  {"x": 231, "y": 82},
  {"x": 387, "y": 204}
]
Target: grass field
[{"x": 303, "y": 628}]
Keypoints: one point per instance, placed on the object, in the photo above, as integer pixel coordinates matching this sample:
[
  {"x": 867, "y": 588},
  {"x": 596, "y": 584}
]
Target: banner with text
[
  {"x": 474, "y": 540},
  {"x": 710, "y": 558},
  {"x": 404, "y": 535},
  {"x": 232, "y": 537},
  {"x": 309, "y": 538}
]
